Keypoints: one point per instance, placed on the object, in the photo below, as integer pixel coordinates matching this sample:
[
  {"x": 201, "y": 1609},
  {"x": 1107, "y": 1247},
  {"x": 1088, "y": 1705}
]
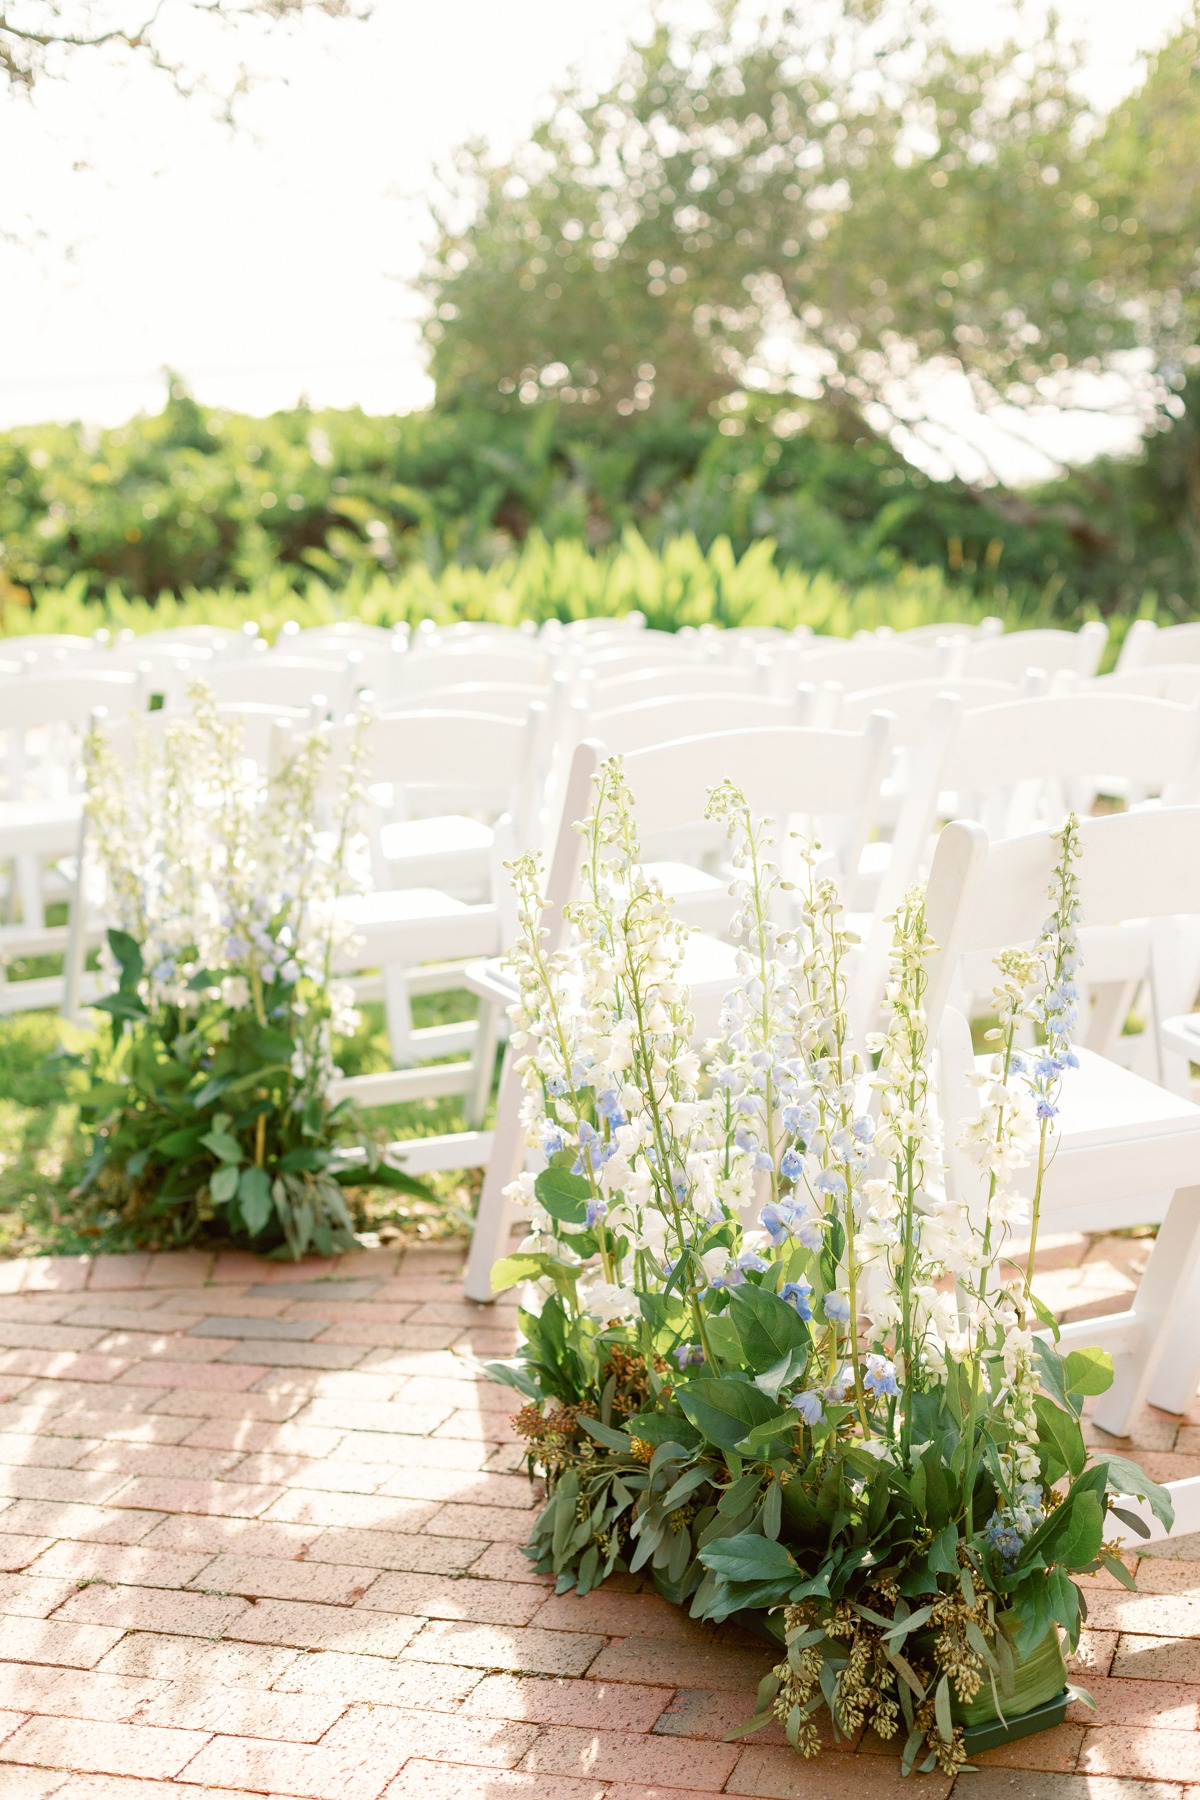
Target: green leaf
[
  {"x": 380, "y": 1174},
  {"x": 1088, "y": 1371},
  {"x": 254, "y": 1197},
  {"x": 226, "y": 1148},
  {"x": 604, "y": 1434},
  {"x": 772, "y": 1517},
  {"x": 301, "y": 1158},
  {"x": 724, "y": 1409},
  {"x": 223, "y": 1183},
  {"x": 769, "y": 1329},
  {"x": 1076, "y": 1544},
  {"x": 178, "y": 1144},
  {"x": 513, "y": 1375},
  {"x": 943, "y": 1552},
  {"x": 784, "y": 1372},
  {"x": 1124, "y": 1477},
  {"x": 128, "y": 953},
  {"x": 523, "y": 1266},
  {"x": 564, "y": 1196},
  {"x": 1060, "y": 1441},
  {"x": 1117, "y": 1568},
  {"x": 758, "y": 1441},
  {"x": 750, "y": 1557}
]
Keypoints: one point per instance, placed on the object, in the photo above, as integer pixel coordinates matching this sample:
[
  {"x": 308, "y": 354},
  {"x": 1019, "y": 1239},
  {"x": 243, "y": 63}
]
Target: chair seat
[
  {"x": 709, "y": 970},
  {"x": 1121, "y": 1139},
  {"x": 40, "y": 827},
  {"x": 696, "y": 898},
  {"x": 1183, "y": 1035},
  {"x": 411, "y": 925},
  {"x": 452, "y": 850}
]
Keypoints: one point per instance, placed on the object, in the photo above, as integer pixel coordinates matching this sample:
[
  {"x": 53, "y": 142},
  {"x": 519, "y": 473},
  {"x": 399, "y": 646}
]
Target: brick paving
[{"x": 260, "y": 1534}]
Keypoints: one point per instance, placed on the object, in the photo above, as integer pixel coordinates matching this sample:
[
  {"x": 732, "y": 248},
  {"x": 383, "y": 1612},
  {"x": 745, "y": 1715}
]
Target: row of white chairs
[{"x": 627, "y": 711}]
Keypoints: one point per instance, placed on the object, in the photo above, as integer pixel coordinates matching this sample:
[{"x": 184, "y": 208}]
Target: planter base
[{"x": 991, "y": 1732}]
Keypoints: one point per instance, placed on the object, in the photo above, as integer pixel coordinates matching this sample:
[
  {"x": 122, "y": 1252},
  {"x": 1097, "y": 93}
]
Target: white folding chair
[
  {"x": 47, "y": 651},
  {"x": 42, "y": 721},
  {"x": 950, "y": 628},
  {"x": 323, "y": 685},
  {"x": 637, "y": 724},
  {"x": 1127, "y": 1151},
  {"x": 1033, "y": 760},
  {"x": 602, "y": 693},
  {"x": 792, "y": 775},
  {"x": 403, "y": 678},
  {"x": 414, "y": 924},
  {"x": 495, "y": 699},
  {"x": 340, "y": 638},
  {"x": 214, "y": 640},
  {"x": 859, "y": 663},
  {"x": 1148, "y": 645},
  {"x": 1008, "y": 657}
]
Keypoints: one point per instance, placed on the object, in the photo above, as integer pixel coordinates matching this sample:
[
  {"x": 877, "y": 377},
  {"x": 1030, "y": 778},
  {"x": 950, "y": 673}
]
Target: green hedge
[
  {"x": 681, "y": 584},
  {"x": 194, "y": 499}
]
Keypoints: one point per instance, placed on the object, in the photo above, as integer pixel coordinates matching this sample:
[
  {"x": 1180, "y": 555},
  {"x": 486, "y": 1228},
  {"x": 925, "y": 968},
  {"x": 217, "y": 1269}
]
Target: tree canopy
[{"x": 837, "y": 202}]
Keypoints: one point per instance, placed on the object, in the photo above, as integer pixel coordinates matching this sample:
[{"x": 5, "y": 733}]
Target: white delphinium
[
  {"x": 1019, "y": 1103},
  {"x": 929, "y": 1236},
  {"x": 218, "y": 872}
]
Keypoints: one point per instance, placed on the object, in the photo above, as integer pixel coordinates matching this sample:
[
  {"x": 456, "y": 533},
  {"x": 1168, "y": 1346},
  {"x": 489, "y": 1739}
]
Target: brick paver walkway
[{"x": 262, "y": 1530}]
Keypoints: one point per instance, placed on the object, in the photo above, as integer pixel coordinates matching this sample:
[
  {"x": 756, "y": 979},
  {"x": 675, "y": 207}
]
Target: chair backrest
[
  {"x": 646, "y": 650},
  {"x": 434, "y": 760},
  {"x": 912, "y": 704},
  {"x": 826, "y": 780},
  {"x": 53, "y": 648},
  {"x": 436, "y": 666},
  {"x": 345, "y": 635},
  {"x": 272, "y": 680},
  {"x": 622, "y": 729},
  {"x": 65, "y": 697},
  {"x": 987, "y": 896},
  {"x": 1073, "y": 738},
  {"x": 601, "y": 692},
  {"x": 1148, "y": 645},
  {"x": 258, "y": 724},
  {"x": 495, "y": 699},
  {"x": 1007, "y": 658},
  {"x": 215, "y": 640},
  {"x": 949, "y": 628},
  {"x": 860, "y": 663}
]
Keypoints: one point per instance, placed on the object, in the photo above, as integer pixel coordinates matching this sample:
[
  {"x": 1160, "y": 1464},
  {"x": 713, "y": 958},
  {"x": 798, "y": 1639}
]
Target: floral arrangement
[
  {"x": 766, "y": 1357},
  {"x": 209, "y": 1102}
]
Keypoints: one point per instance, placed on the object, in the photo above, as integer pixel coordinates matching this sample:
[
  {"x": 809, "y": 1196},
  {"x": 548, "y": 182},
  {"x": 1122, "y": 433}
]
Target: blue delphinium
[
  {"x": 880, "y": 1377},
  {"x": 808, "y": 1405},
  {"x": 796, "y": 1293}
]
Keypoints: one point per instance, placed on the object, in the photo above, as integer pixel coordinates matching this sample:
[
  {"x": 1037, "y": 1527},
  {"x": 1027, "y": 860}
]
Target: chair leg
[
  {"x": 75, "y": 960},
  {"x": 397, "y": 1012},
  {"x": 1165, "y": 1365},
  {"x": 494, "y": 1219},
  {"x": 483, "y": 1062}
]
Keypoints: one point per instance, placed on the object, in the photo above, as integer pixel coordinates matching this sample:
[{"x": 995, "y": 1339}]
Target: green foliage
[
  {"x": 216, "y": 517},
  {"x": 738, "y": 1511},
  {"x": 199, "y": 1119},
  {"x": 45, "y": 1149}
]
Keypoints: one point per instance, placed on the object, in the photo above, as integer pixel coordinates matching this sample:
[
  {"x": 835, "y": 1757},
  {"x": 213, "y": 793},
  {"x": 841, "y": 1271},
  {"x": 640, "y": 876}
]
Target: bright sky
[{"x": 274, "y": 263}]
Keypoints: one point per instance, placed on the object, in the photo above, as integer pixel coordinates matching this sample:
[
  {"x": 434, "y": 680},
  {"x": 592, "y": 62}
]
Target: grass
[{"x": 43, "y": 1148}]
